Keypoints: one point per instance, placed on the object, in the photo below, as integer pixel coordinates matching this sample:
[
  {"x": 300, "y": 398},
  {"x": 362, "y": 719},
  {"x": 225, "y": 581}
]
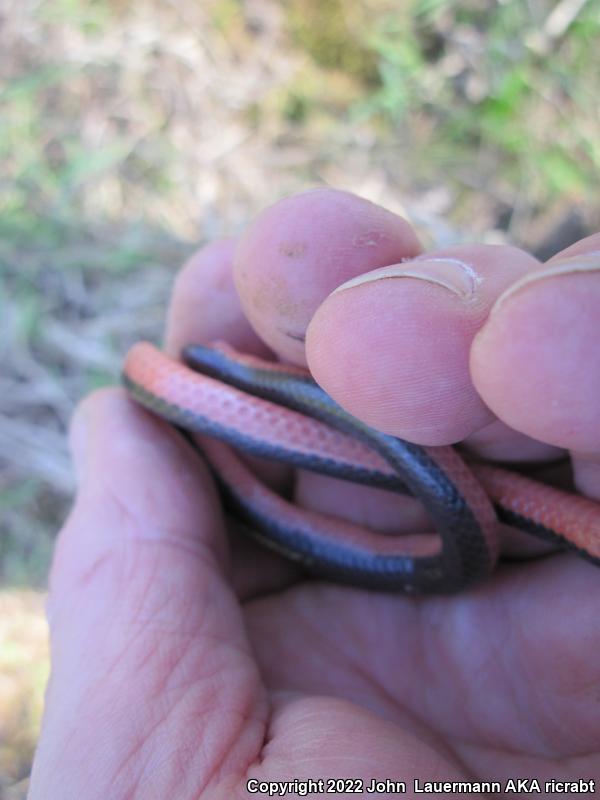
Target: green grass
[{"x": 472, "y": 85}]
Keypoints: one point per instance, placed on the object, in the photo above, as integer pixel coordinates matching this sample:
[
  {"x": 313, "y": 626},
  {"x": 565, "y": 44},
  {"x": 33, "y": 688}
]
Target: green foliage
[
  {"x": 91, "y": 17},
  {"x": 225, "y": 14},
  {"x": 496, "y": 81},
  {"x": 331, "y": 32},
  {"x": 484, "y": 76}
]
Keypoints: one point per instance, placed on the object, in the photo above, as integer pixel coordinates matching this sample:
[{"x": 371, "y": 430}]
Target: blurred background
[{"x": 133, "y": 132}]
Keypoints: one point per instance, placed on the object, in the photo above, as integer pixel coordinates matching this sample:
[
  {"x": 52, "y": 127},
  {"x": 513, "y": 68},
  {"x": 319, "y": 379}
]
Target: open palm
[{"x": 187, "y": 661}]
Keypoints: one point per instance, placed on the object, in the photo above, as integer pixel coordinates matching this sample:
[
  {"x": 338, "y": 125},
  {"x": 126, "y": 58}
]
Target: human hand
[{"x": 186, "y": 661}]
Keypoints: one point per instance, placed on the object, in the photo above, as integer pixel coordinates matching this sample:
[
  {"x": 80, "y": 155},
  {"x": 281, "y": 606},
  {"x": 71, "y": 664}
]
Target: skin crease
[{"x": 183, "y": 664}]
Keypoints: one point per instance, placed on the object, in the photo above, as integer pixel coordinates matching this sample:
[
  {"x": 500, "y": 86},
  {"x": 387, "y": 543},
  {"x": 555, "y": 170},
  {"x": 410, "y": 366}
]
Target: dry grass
[
  {"x": 132, "y": 133},
  {"x": 23, "y": 676}
]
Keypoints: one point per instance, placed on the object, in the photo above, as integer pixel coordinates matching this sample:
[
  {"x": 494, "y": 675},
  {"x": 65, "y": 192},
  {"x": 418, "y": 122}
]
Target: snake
[{"x": 229, "y": 404}]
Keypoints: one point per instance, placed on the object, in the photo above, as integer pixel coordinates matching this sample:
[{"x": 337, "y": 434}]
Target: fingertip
[
  {"x": 591, "y": 244},
  {"x": 401, "y": 368},
  {"x": 392, "y": 346},
  {"x": 298, "y": 250},
  {"x": 205, "y": 305},
  {"x": 535, "y": 361}
]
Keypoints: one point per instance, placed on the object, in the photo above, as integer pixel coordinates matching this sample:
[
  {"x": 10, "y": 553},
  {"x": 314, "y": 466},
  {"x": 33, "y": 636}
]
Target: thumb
[{"x": 150, "y": 663}]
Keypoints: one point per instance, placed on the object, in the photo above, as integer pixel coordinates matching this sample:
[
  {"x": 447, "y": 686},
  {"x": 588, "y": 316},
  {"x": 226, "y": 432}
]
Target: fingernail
[
  {"x": 590, "y": 262},
  {"x": 450, "y": 273},
  {"x": 78, "y": 440}
]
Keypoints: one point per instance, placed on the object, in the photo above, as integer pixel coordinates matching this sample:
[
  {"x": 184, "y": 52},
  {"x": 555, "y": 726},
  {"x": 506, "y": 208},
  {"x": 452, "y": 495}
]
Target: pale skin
[{"x": 185, "y": 660}]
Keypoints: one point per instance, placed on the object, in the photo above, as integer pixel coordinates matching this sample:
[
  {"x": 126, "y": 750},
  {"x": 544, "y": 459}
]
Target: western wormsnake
[{"x": 278, "y": 412}]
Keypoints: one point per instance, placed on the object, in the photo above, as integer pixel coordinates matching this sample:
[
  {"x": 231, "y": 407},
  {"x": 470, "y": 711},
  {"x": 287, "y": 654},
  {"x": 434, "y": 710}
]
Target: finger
[
  {"x": 293, "y": 255},
  {"x": 376, "y": 509},
  {"x": 149, "y": 650},
  {"x": 205, "y": 307},
  {"x": 309, "y": 240},
  {"x": 300, "y": 249},
  {"x": 392, "y": 347},
  {"x": 408, "y": 341},
  {"x": 535, "y": 363}
]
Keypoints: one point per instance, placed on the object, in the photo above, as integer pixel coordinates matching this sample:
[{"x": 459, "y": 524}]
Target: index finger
[{"x": 297, "y": 252}]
